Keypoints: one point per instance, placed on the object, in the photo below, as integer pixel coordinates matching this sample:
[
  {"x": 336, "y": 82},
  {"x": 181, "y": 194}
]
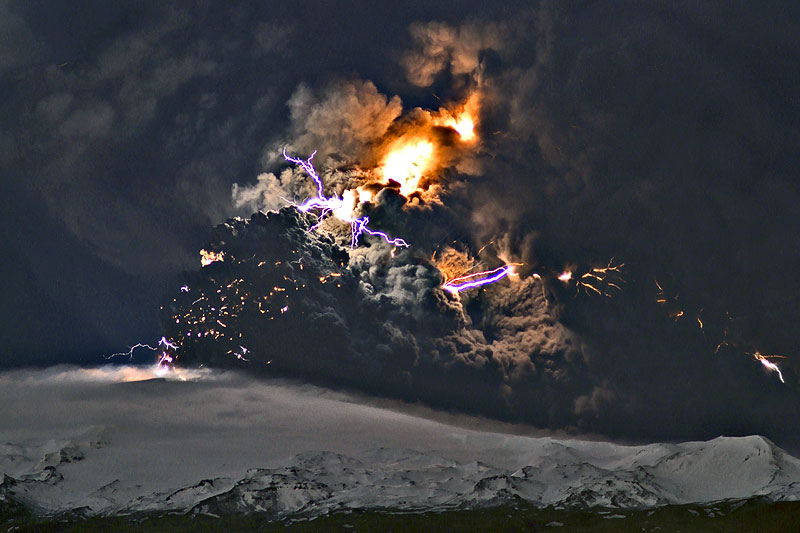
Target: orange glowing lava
[
  {"x": 206, "y": 257},
  {"x": 462, "y": 118},
  {"x": 416, "y": 151},
  {"x": 407, "y": 162}
]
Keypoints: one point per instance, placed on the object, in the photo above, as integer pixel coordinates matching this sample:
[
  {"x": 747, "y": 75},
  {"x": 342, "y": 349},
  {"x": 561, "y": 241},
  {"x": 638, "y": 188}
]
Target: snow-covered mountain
[
  {"x": 565, "y": 473},
  {"x": 229, "y": 446}
]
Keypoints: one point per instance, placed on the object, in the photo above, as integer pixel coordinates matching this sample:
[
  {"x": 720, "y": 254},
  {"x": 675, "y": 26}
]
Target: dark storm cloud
[
  {"x": 300, "y": 306},
  {"x": 291, "y": 301},
  {"x": 124, "y": 126},
  {"x": 659, "y": 134},
  {"x": 630, "y": 134},
  {"x": 123, "y": 131},
  {"x": 664, "y": 134},
  {"x": 18, "y": 44}
]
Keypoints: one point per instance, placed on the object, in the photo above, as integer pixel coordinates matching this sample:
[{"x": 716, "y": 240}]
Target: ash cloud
[
  {"x": 599, "y": 140},
  {"x": 440, "y": 46},
  {"x": 664, "y": 135},
  {"x": 295, "y": 302}
]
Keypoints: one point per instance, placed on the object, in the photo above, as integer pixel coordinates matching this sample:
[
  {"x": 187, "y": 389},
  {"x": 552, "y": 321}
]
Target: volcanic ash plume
[
  {"x": 433, "y": 254},
  {"x": 289, "y": 300}
]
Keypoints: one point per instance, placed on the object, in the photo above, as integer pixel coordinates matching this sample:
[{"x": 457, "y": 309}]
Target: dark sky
[{"x": 664, "y": 134}]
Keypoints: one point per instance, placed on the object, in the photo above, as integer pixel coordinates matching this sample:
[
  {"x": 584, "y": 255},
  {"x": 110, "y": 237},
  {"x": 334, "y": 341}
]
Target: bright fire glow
[
  {"x": 206, "y": 257},
  {"x": 413, "y": 155},
  {"x": 565, "y": 276},
  {"x": 464, "y": 125},
  {"x": 769, "y": 365},
  {"x": 407, "y": 163},
  {"x": 462, "y": 119}
]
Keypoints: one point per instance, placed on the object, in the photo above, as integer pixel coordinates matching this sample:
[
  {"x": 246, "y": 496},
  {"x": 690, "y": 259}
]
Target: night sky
[{"x": 664, "y": 135}]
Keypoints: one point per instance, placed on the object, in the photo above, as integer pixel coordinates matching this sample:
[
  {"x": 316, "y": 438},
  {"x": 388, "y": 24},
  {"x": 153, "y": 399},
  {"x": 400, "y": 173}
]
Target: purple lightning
[
  {"x": 469, "y": 281},
  {"x": 359, "y": 226},
  {"x": 309, "y": 168},
  {"x": 165, "y": 360},
  {"x": 130, "y": 351},
  {"x": 326, "y": 205}
]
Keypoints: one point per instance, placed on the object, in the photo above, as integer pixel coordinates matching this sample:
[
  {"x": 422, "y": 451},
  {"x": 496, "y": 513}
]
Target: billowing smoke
[
  {"x": 556, "y": 185},
  {"x": 289, "y": 301}
]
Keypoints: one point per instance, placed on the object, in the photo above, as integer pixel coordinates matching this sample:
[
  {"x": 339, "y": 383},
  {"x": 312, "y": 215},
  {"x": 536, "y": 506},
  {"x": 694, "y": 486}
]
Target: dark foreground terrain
[{"x": 749, "y": 515}]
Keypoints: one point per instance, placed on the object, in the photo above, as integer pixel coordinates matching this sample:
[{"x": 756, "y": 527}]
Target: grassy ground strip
[{"x": 750, "y": 515}]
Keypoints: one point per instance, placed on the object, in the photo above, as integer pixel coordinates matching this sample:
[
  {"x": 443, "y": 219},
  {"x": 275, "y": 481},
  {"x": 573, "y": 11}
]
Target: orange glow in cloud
[
  {"x": 415, "y": 153},
  {"x": 407, "y": 162},
  {"x": 462, "y": 119}
]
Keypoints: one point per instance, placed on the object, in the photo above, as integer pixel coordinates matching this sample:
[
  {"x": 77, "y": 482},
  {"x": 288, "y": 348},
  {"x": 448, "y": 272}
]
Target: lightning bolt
[
  {"x": 769, "y": 365},
  {"x": 327, "y": 205},
  {"x": 165, "y": 360},
  {"x": 130, "y": 351},
  {"x": 470, "y": 281}
]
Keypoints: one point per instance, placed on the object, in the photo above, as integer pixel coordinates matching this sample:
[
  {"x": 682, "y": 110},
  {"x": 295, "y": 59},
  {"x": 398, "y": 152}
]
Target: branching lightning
[
  {"x": 336, "y": 205},
  {"x": 165, "y": 359},
  {"x": 130, "y": 351}
]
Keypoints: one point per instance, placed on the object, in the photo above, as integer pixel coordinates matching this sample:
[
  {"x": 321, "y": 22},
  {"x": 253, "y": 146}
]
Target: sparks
[
  {"x": 340, "y": 207},
  {"x": 602, "y": 280},
  {"x": 478, "y": 279},
  {"x": 769, "y": 365}
]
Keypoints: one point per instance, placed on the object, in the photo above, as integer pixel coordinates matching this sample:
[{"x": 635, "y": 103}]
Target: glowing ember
[
  {"x": 769, "y": 365},
  {"x": 565, "y": 276},
  {"x": 206, "y": 257},
  {"x": 461, "y": 119},
  {"x": 602, "y": 280},
  {"x": 452, "y": 263}
]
